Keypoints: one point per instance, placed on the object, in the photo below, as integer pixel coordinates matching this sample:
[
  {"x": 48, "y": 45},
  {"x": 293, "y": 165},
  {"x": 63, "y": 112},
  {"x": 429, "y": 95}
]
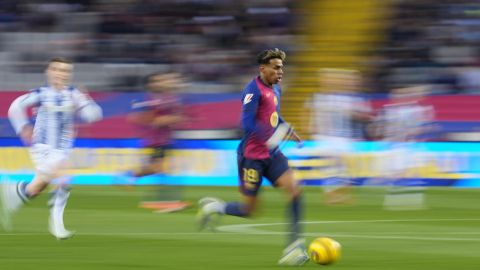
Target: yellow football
[{"x": 324, "y": 250}]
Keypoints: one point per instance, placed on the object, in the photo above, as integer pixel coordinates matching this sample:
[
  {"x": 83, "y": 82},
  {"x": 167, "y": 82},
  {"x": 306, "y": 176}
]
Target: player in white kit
[
  {"x": 50, "y": 140},
  {"x": 405, "y": 119},
  {"x": 334, "y": 112}
]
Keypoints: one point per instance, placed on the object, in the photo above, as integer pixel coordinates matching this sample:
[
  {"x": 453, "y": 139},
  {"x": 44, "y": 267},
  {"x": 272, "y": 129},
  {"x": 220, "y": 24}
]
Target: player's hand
[
  {"x": 300, "y": 144},
  {"x": 295, "y": 137},
  {"x": 26, "y": 134}
]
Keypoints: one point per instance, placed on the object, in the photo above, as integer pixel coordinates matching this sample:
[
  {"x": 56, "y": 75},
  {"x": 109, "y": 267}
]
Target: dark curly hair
[{"x": 265, "y": 56}]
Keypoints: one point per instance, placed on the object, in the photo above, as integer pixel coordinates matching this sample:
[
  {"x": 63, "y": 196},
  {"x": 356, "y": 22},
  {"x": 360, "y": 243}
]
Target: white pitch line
[
  {"x": 390, "y": 237},
  {"x": 119, "y": 233},
  {"x": 251, "y": 229}
]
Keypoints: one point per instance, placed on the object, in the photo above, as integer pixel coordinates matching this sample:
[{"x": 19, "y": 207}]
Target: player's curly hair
[{"x": 265, "y": 56}]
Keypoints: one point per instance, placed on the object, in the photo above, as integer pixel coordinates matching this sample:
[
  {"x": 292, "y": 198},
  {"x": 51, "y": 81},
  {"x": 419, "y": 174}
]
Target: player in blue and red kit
[
  {"x": 156, "y": 118},
  {"x": 259, "y": 156}
]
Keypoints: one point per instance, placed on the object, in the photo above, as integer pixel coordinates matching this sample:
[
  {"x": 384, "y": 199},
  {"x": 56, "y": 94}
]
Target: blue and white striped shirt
[{"x": 56, "y": 111}]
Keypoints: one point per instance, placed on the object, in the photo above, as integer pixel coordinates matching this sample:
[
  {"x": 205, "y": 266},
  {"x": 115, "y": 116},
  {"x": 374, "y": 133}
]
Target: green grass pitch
[{"x": 113, "y": 233}]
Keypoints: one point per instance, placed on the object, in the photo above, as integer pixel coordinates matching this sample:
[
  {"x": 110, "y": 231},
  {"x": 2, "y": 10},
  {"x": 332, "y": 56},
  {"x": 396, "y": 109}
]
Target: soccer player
[
  {"x": 335, "y": 111},
  {"x": 50, "y": 140},
  {"x": 259, "y": 155},
  {"x": 156, "y": 118},
  {"x": 405, "y": 121}
]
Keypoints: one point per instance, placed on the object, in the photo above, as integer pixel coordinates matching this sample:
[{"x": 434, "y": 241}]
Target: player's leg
[
  {"x": 11, "y": 201},
  {"x": 211, "y": 208},
  {"x": 154, "y": 166},
  {"x": 48, "y": 164},
  {"x": 250, "y": 175},
  {"x": 59, "y": 196},
  {"x": 338, "y": 188},
  {"x": 295, "y": 251},
  {"x": 15, "y": 194},
  {"x": 325, "y": 149},
  {"x": 392, "y": 172},
  {"x": 38, "y": 184},
  {"x": 280, "y": 174},
  {"x": 49, "y": 168},
  {"x": 288, "y": 183},
  {"x": 57, "y": 203},
  {"x": 162, "y": 197},
  {"x": 404, "y": 193}
]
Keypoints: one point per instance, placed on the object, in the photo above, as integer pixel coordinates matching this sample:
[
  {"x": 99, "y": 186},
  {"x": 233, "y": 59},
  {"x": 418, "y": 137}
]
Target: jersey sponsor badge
[{"x": 247, "y": 99}]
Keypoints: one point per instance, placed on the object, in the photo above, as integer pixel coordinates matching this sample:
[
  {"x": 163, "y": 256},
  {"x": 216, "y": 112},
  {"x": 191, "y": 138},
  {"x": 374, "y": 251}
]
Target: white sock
[{"x": 58, "y": 203}]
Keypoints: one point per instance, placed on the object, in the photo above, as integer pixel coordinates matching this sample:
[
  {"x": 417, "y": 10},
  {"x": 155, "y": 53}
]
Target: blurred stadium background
[
  {"x": 213, "y": 43},
  {"x": 115, "y": 44}
]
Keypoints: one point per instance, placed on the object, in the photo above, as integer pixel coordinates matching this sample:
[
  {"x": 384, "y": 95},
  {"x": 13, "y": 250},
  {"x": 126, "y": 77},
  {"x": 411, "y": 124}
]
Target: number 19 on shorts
[{"x": 250, "y": 177}]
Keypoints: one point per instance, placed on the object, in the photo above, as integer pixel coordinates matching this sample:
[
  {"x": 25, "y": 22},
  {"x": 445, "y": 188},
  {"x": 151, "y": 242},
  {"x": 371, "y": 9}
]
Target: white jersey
[
  {"x": 55, "y": 115},
  {"x": 332, "y": 114},
  {"x": 404, "y": 121}
]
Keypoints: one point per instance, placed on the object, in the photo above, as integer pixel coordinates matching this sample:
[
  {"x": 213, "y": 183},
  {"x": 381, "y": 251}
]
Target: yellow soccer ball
[{"x": 324, "y": 250}]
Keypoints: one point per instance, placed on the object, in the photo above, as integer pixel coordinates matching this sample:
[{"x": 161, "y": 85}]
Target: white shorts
[{"x": 48, "y": 160}]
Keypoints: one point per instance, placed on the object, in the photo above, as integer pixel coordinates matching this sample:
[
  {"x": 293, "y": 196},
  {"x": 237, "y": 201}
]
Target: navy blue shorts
[{"x": 252, "y": 171}]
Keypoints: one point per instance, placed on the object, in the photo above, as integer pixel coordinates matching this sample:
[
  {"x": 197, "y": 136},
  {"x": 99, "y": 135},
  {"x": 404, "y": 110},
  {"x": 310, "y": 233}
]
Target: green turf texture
[{"x": 113, "y": 233}]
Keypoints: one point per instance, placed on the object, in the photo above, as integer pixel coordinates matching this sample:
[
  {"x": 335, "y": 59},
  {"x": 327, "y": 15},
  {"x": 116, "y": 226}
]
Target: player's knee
[
  {"x": 296, "y": 192},
  {"x": 293, "y": 188}
]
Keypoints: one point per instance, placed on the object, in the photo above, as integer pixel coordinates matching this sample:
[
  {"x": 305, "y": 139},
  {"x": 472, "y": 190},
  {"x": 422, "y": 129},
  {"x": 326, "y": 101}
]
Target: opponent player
[
  {"x": 334, "y": 114},
  {"x": 259, "y": 155},
  {"x": 50, "y": 140},
  {"x": 405, "y": 121},
  {"x": 156, "y": 118}
]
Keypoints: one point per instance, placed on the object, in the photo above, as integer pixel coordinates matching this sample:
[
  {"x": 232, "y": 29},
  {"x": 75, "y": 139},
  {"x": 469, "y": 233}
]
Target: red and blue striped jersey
[{"x": 260, "y": 118}]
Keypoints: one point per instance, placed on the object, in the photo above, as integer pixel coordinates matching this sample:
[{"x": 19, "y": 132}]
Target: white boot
[
  {"x": 12, "y": 200},
  {"x": 209, "y": 211},
  {"x": 57, "y": 207},
  {"x": 294, "y": 254}
]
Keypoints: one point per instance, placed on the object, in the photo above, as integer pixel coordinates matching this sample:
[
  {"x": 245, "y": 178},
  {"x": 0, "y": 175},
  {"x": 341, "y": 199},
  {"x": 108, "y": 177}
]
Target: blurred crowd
[
  {"x": 116, "y": 43},
  {"x": 432, "y": 42}
]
